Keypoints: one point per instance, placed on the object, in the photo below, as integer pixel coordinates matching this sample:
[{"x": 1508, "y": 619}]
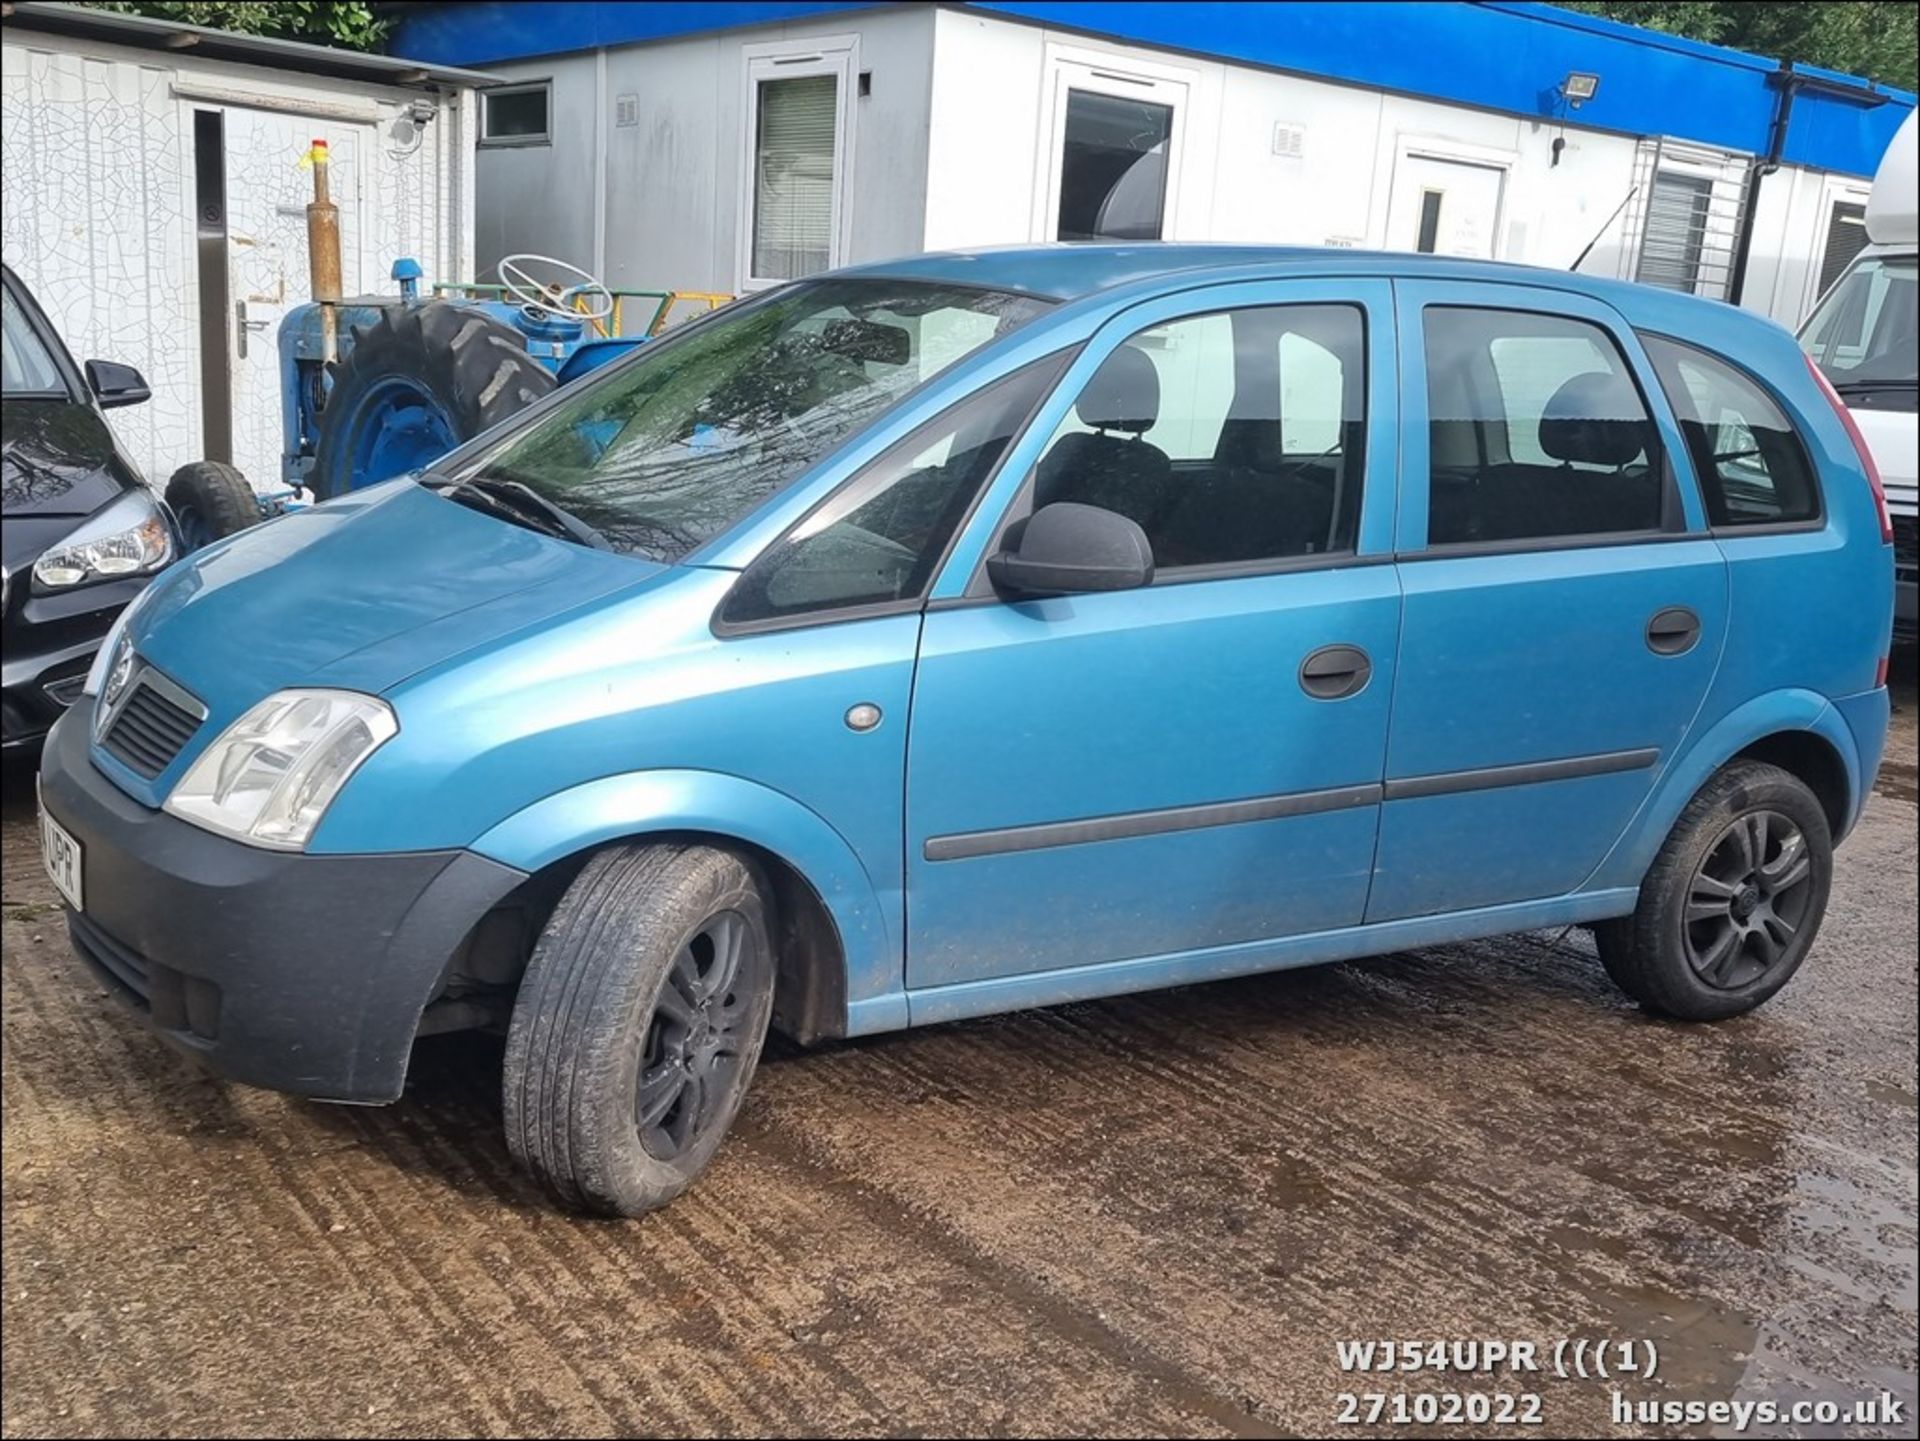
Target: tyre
[
  {"x": 638, "y": 1025},
  {"x": 416, "y": 383},
  {"x": 210, "y": 500},
  {"x": 1731, "y": 905}
]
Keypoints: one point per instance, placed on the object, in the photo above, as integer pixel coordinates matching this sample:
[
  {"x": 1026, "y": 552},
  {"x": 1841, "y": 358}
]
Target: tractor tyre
[
  {"x": 210, "y": 500},
  {"x": 415, "y": 384}
]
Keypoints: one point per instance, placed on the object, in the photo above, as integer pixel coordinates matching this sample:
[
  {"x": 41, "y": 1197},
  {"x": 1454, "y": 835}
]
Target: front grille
[
  {"x": 149, "y": 730},
  {"x": 1906, "y": 552},
  {"x": 125, "y": 967}
]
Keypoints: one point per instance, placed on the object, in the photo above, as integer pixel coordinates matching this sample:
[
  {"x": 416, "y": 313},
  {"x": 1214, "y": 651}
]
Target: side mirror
[
  {"x": 1069, "y": 549},
  {"x": 116, "y": 384}
]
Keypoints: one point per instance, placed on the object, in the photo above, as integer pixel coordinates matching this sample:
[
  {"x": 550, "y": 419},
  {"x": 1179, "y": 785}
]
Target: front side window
[
  {"x": 1753, "y": 469},
  {"x": 879, "y": 537},
  {"x": 1230, "y": 438},
  {"x": 673, "y": 448},
  {"x": 1862, "y": 335},
  {"x": 1536, "y": 430},
  {"x": 26, "y": 365}
]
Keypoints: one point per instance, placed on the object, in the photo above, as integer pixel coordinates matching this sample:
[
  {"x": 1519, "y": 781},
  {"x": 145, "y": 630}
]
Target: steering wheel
[{"x": 553, "y": 298}]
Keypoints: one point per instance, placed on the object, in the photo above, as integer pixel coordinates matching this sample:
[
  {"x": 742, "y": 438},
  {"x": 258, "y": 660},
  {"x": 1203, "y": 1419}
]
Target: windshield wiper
[
  {"x": 1858, "y": 387},
  {"x": 515, "y": 501}
]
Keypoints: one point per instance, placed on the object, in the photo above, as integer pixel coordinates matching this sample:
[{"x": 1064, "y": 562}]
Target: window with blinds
[
  {"x": 1846, "y": 238},
  {"x": 1677, "y": 216},
  {"x": 793, "y": 181}
]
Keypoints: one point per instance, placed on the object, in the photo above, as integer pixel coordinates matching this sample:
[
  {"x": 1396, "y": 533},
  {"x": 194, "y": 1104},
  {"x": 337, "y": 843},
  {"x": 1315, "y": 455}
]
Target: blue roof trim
[{"x": 1503, "y": 55}]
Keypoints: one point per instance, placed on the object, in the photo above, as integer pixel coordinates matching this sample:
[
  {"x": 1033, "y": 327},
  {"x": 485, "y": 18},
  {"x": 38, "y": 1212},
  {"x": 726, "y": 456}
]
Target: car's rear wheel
[
  {"x": 1733, "y": 901},
  {"x": 638, "y": 1025}
]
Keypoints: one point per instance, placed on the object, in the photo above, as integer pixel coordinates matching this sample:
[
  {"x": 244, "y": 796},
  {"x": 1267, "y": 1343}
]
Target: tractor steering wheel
[{"x": 552, "y": 298}]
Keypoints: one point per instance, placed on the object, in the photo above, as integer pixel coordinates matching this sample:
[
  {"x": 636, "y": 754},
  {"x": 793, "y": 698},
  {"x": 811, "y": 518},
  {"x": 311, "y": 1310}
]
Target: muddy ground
[{"x": 1158, "y": 1213}]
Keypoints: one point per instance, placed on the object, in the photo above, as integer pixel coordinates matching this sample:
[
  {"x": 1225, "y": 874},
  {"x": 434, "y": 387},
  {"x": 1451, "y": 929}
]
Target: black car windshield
[
  {"x": 1862, "y": 332},
  {"x": 679, "y": 444},
  {"x": 26, "y": 365}
]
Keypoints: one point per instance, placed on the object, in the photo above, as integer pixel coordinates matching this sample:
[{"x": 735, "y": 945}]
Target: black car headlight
[{"x": 129, "y": 537}]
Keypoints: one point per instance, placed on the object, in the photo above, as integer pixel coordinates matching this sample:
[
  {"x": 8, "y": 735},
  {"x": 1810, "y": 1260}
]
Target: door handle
[
  {"x": 1673, "y": 631},
  {"x": 1335, "y": 672}
]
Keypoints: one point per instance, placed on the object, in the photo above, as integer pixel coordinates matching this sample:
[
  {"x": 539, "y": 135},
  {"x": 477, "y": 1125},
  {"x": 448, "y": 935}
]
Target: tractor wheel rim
[
  {"x": 697, "y": 1036},
  {"x": 1748, "y": 901},
  {"x": 397, "y": 427}
]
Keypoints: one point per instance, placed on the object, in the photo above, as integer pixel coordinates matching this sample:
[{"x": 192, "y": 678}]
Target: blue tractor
[{"x": 414, "y": 375}]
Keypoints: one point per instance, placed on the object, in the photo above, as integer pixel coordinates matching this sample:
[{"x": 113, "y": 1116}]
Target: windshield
[
  {"x": 1862, "y": 333},
  {"x": 26, "y": 365},
  {"x": 673, "y": 448}
]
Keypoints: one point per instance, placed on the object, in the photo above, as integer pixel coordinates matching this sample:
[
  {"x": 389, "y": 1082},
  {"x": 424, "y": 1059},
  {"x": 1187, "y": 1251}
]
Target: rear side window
[
  {"x": 1753, "y": 469},
  {"x": 1536, "y": 431},
  {"x": 878, "y": 538}
]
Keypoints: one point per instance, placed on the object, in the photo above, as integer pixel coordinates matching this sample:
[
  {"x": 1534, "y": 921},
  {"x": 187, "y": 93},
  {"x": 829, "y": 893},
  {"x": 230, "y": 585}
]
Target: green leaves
[
  {"x": 350, "y": 24},
  {"x": 1874, "y": 38}
]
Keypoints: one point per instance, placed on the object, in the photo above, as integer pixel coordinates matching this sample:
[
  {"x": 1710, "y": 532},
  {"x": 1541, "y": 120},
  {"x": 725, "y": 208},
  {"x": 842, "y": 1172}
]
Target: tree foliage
[
  {"x": 1874, "y": 38},
  {"x": 350, "y": 24}
]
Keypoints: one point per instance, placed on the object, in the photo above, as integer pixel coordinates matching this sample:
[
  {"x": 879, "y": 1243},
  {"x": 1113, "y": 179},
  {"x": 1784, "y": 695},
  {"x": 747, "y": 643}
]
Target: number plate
[{"x": 62, "y": 855}]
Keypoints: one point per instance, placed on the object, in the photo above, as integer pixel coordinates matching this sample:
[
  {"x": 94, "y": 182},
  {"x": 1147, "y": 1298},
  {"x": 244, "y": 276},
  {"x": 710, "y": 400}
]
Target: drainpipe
[{"x": 1788, "y": 82}]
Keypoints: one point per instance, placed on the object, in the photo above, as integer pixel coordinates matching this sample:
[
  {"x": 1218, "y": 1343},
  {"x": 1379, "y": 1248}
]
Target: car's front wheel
[
  {"x": 638, "y": 1025},
  {"x": 1731, "y": 905}
]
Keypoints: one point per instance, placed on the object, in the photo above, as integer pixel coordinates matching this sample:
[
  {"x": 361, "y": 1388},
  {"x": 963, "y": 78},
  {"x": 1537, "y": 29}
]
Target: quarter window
[
  {"x": 1753, "y": 469},
  {"x": 1536, "y": 430},
  {"x": 1230, "y": 438},
  {"x": 879, "y": 537}
]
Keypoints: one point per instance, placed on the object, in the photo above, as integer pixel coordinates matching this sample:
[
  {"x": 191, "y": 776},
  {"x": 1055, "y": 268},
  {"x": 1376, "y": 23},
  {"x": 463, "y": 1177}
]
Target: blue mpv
[{"x": 993, "y": 630}]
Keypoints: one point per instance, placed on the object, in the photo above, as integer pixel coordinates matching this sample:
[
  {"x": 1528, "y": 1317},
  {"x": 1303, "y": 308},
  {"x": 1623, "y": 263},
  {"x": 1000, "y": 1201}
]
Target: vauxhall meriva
[{"x": 984, "y": 631}]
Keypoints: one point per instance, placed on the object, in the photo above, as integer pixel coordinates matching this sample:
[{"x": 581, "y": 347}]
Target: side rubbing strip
[
  {"x": 1146, "y": 823},
  {"x": 1412, "y": 787}
]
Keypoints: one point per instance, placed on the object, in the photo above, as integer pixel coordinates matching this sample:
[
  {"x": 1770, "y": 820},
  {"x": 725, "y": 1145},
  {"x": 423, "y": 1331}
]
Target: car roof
[{"x": 1073, "y": 272}]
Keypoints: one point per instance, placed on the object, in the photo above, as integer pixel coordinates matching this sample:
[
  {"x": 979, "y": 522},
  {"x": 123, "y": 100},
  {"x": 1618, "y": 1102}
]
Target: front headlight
[
  {"x": 273, "y": 773},
  {"x": 129, "y": 537}
]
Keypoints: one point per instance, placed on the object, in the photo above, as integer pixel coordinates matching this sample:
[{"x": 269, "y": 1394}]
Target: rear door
[
  {"x": 1565, "y": 606},
  {"x": 1138, "y": 774}
]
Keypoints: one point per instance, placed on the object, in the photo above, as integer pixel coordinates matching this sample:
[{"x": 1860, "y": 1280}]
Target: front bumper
[
  {"x": 50, "y": 642},
  {"x": 298, "y": 973}
]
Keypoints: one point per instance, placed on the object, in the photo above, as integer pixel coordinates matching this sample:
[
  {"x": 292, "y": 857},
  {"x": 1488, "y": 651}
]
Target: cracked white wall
[{"x": 97, "y": 172}]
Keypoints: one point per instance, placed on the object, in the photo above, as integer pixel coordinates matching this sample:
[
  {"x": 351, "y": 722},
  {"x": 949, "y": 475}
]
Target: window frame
[
  {"x": 1120, "y": 330},
  {"x": 1047, "y": 370},
  {"x": 1819, "y": 520},
  {"x": 544, "y": 87},
  {"x": 1675, "y": 524},
  {"x": 835, "y": 55}
]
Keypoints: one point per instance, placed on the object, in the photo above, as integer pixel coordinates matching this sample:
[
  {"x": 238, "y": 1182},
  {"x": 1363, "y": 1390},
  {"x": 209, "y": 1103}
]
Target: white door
[
  {"x": 267, "y": 194},
  {"x": 1445, "y": 207},
  {"x": 1113, "y": 170}
]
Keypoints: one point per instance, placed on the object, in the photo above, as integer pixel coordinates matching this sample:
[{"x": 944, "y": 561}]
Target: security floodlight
[{"x": 1578, "y": 88}]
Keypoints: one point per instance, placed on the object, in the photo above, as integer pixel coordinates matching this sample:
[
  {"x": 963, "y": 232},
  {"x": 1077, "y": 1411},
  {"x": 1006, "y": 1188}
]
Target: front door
[
  {"x": 267, "y": 195},
  {"x": 1113, "y": 154},
  {"x": 1565, "y": 606},
  {"x": 1445, "y": 207},
  {"x": 1109, "y": 777}
]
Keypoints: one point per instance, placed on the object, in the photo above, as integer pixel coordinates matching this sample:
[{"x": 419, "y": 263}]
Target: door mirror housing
[
  {"x": 1071, "y": 549},
  {"x": 115, "y": 384}
]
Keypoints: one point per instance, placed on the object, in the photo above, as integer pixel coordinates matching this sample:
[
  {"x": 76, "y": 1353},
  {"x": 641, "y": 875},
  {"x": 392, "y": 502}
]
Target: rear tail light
[{"x": 1860, "y": 448}]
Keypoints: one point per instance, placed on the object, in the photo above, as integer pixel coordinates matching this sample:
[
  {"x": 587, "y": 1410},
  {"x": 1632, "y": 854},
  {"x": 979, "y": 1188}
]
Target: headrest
[
  {"x": 1594, "y": 419},
  {"x": 1124, "y": 393}
]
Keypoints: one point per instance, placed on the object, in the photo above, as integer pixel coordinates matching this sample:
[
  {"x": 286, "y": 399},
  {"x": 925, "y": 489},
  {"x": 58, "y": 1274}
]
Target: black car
[{"x": 83, "y": 533}]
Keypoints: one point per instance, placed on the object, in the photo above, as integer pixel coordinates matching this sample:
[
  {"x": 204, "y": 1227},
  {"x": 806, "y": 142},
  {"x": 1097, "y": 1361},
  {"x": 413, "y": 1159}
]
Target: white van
[{"x": 1862, "y": 337}]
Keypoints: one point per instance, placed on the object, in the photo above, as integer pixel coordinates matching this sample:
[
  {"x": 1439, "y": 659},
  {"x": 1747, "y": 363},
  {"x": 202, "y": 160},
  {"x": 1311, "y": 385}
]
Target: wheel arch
[
  {"x": 840, "y": 967},
  {"x": 1798, "y": 730}
]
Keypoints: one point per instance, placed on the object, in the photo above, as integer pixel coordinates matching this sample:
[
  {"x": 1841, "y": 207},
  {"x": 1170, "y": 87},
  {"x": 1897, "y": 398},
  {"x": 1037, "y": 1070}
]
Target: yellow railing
[{"x": 614, "y": 323}]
